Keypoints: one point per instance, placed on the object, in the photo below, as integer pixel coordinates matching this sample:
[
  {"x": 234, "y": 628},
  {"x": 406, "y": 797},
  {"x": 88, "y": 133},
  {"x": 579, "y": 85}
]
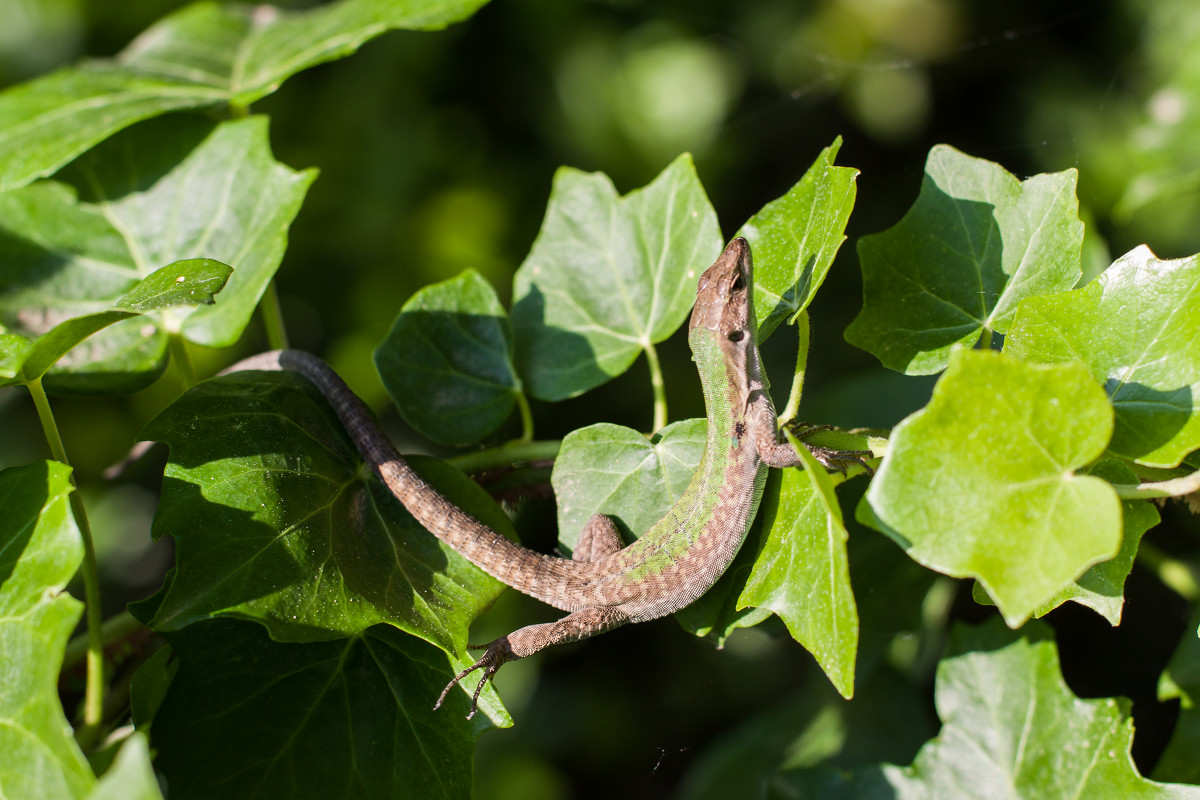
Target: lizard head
[{"x": 725, "y": 297}]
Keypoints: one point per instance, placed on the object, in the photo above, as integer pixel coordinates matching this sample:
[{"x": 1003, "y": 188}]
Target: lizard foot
[
  {"x": 495, "y": 655},
  {"x": 829, "y": 457}
]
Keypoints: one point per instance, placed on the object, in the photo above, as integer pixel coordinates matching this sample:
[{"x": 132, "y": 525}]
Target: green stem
[
  {"x": 506, "y": 455},
  {"x": 114, "y": 629},
  {"x": 272, "y": 316},
  {"x": 793, "y": 404},
  {"x": 526, "y": 418},
  {"x": 93, "y": 701},
  {"x": 1175, "y": 487},
  {"x": 183, "y": 361},
  {"x": 660, "y": 392},
  {"x": 1173, "y": 573}
]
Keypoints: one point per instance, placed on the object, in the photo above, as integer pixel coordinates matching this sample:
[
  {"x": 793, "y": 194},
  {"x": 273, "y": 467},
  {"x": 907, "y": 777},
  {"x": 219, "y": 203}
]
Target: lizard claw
[
  {"x": 495, "y": 655},
  {"x": 829, "y": 457}
]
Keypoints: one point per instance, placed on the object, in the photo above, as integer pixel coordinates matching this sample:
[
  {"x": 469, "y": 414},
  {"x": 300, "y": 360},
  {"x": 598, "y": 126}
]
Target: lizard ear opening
[{"x": 737, "y": 336}]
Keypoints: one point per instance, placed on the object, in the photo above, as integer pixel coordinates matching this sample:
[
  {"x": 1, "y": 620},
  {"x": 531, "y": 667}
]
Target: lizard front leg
[{"x": 528, "y": 640}]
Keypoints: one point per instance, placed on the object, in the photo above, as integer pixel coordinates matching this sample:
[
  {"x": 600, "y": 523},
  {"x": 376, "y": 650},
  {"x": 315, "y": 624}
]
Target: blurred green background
[{"x": 436, "y": 153}]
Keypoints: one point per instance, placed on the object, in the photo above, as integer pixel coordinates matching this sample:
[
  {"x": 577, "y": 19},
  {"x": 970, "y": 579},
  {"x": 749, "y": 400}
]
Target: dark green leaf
[
  {"x": 889, "y": 720},
  {"x": 1136, "y": 328},
  {"x": 801, "y": 571},
  {"x": 40, "y": 550},
  {"x": 610, "y": 469},
  {"x": 983, "y": 481},
  {"x": 202, "y": 55},
  {"x": 609, "y": 276},
  {"x": 974, "y": 244},
  {"x": 276, "y": 520},
  {"x": 447, "y": 361},
  {"x": 249, "y": 717},
  {"x": 1181, "y": 680},
  {"x": 795, "y": 237}
]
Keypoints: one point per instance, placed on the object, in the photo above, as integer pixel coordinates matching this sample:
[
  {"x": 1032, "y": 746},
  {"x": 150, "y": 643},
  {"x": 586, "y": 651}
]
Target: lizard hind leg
[
  {"x": 577, "y": 625},
  {"x": 598, "y": 540}
]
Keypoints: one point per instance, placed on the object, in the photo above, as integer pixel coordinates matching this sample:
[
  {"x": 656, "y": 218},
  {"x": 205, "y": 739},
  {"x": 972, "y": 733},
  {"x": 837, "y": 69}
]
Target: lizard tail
[{"x": 547, "y": 578}]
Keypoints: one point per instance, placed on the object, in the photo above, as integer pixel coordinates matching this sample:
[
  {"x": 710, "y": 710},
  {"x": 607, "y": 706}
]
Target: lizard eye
[{"x": 739, "y": 283}]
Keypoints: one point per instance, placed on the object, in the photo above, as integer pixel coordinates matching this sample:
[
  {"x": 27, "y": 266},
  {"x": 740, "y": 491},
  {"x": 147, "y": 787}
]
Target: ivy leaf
[
  {"x": 1102, "y": 587},
  {"x": 617, "y": 471},
  {"x": 184, "y": 282},
  {"x": 131, "y": 776},
  {"x": 249, "y": 717},
  {"x": 614, "y": 470},
  {"x": 1136, "y": 327},
  {"x": 40, "y": 550},
  {"x": 801, "y": 571},
  {"x": 1012, "y": 728},
  {"x": 447, "y": 361},
  {"x": 795, "y": 237},
  {"x": 161, "y": 192},
  {"x": 203, "y": 55},
  {"x": 609, "y": 276},
  {"x": 276, "y": 519},
  {"x": 975, "y": 242},
  {"x": 983, "y": 482}
]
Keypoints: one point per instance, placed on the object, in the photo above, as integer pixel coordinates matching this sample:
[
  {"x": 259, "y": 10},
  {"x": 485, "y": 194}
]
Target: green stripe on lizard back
[{"x": 706, "y": 526}]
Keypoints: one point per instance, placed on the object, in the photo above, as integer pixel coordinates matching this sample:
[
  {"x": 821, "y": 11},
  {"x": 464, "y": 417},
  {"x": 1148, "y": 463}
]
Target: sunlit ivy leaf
[
  {"x": 276, "y": 520},
  {"x": 40, "y": 550},
  {"x": 447, "y": 361},
  {"x": 609, "y": 276},
  {"x": 983, "y": 482},
  {"x": 975, "y": 242},
  {"x": 1102, "y": 587},
  {"x": 131, "y": 776},
  {"x": 1012, "y": 728},
  {"x": 248, "y": 717},
  {"x": 203, "y": 55},
  {"x": 610, "y": 469},
  {"x": 795, "y": 237},
  {"x": 1137, "y": 328},
  {"x": 161, "y": 192},
  {"x": 190, "y": 282},
  {"x": 1181, "y": 681},
  {"x": 801, "y": 571}
]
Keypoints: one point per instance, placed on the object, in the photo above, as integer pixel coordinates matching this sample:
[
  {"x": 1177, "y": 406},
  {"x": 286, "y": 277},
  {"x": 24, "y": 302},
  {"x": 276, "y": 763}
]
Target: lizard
[{"x": 605, "y": 583}]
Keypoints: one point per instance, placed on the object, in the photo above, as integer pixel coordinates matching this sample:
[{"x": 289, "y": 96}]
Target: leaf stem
[
  {"x": 183, "y": 361},
  {"x": 93, "y": 702},
  {"x": 114, "y": 629},
  {"x": 1175, "y": 487},
  {"x": 272, "y": 317},
  {"x": 793, "y": 404},
  {"x": 1174, "y": 574},
  {"x": 656, "y": 384},
  {"x": 526, "y": 418},
  {"x": 506, "y": 455}
]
